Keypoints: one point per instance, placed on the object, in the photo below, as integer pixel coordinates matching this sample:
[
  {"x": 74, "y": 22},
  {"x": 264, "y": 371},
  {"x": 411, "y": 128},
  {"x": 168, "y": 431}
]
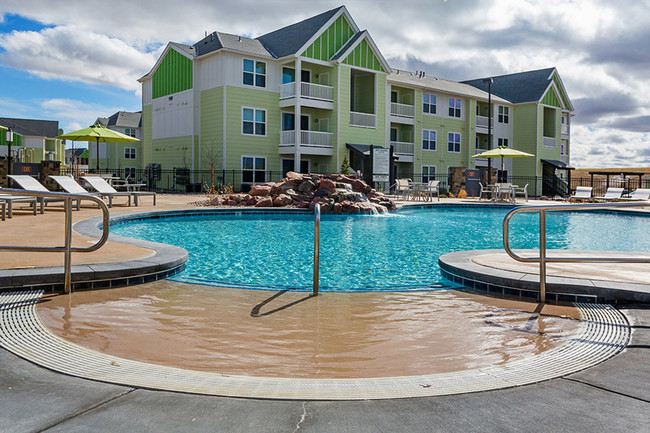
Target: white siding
[
  {"x": 172, "y": 117},
  {"x": 146, "y": 92}
]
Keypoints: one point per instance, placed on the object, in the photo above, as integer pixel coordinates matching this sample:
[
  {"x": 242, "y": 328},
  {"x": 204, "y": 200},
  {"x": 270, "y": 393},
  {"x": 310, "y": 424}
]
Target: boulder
[
  {"x": 327, "y": 185},
  {"x": 306, "y": 186},
  {"x": 282, "y": 200},
  {"x": 260, "y": 190},
  {"x": 265, "y": 202}
]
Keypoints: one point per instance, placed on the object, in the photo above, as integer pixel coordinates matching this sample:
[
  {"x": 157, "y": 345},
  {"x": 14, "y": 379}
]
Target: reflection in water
[{"x": 336, "y": 335}]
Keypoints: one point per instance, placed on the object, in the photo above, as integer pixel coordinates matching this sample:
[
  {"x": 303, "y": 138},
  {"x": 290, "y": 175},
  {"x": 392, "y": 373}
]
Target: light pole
[
  {"x": 9, "y": 138},
  {"x": 489, "y": 82}
]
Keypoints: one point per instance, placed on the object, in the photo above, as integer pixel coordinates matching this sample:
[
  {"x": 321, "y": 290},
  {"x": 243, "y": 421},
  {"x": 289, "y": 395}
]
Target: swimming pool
[{"x": 389, "y": 252}]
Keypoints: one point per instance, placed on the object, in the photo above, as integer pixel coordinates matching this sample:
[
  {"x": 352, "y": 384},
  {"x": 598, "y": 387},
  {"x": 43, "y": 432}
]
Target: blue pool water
[{"x": 398, "y": 251}]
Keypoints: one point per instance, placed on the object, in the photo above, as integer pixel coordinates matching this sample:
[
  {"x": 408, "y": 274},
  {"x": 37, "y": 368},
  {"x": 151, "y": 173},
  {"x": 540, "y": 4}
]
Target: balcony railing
[
  {"x": 363, "y": 119},
  {"x": 402, "y": 147},
  {"x": 307, "y": 90},
  {"x": 402, "y": 110},
  {"x": 565, "y": 129},
  {"x": 309, "y": 138},
  {"x": 549, "y": 142},
  {"x": 482, "y": 122}
]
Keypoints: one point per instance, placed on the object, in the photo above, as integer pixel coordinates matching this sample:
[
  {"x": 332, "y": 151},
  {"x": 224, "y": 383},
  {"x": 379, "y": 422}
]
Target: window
[
  {"x": 253, "y": 121},
  {"x": 289, "y": 75},
  {"x": 129, "y": 173},
  {"x": 428, "y": 173},
  {"x": 429, "y": 139},
  {"x": 130, "y": 132},
  {"x": 429, "y": 103},
  {"x": 502, "y": 142},
  {"x": 254, "y": 73},
  {"x": 454, "y": 107},
  {"x": 129, "y": 153},
  {"x": 453, "y": 142},
  {"x": 504, "y": 114},
  {"x": 253, "y": 169}
]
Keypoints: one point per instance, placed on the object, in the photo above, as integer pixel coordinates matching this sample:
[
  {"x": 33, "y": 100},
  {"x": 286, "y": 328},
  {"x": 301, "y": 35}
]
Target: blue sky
[{"x": 58, "y": 67}]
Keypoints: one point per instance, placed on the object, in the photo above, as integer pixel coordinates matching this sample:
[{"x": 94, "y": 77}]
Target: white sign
[{"x": 380, "y": 164}]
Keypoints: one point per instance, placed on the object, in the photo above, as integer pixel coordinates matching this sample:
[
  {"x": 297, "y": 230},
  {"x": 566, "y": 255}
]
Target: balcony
[
  {"x": 565, "y": 131},
  {"x": 402, "y": 113},
  {"x": 312, "y": 95},
  {"x": 480, "y": 162},
  {"x": 482, "y": 124},
  {"x": 549, "y": 142},
  {"x": 311, "y": 142},
  {"x": 403, "y": 151},
  {"x": 363, "y": 120}
]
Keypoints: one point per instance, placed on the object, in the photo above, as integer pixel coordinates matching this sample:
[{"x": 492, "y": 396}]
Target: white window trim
[
  {"x": 135, "y": 151},
  {"x": 436, "y": 104},
  {"x": 460, "y": 116},
  {"x": 503, "y": 115},
  {"x": 460, "y": 144},
  {"x": 266, "y": 121},
  {"x": 241, "y": 165},
  {"x": 430, "y": 130},
  {"x": 255, "y": 74},
  {"x": 435, "y": 170}
]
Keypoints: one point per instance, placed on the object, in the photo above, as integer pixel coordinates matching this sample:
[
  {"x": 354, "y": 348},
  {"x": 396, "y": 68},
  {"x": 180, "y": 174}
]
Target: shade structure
[
  {"x": 98, "y": 133},
  {"x": 503, "y": 152}
]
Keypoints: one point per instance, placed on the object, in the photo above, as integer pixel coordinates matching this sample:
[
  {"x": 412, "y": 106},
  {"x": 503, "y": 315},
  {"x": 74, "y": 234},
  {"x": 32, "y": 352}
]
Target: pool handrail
[
  {"x": 543, "y": 259},
  {"x": 67, "y": 249},
  {"x": 316, "y": 248}
]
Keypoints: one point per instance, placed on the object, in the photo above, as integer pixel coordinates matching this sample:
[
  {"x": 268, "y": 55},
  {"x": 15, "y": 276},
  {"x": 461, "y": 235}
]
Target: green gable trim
[
  {"x": 174, "y": 74},
  {"x": 364, "y": 57},
  {"x": 551, "y": 98},
  {"x": 562, "y": 95},
  {"x": 330, "y": 41},
  {"x": 18, "y": 139}
]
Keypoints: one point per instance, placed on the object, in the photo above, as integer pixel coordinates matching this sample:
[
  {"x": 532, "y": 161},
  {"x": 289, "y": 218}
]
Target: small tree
[{"x": 345, "y": 166}]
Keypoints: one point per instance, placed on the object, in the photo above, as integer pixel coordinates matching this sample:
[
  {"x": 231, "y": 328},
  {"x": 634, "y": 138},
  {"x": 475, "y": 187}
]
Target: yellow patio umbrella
[
  {"x": 503, "y": 152},
  {"x": 98, "y": 132}
]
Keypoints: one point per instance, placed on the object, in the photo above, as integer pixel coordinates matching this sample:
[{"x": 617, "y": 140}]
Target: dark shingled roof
[
  {"x": 32, "y": 127},
  {"x": 517, "y": 88},
  {"x": 288, "y": 40}
]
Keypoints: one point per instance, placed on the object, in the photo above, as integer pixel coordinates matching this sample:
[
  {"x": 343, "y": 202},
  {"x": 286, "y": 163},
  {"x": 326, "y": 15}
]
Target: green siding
[
  {"x": 18, "y": 139},
  {"x": 212, "y": 129},
  {"x": 551, "y": 98},
  {"x": 526, "y": 138},
  {"x": 174, "y": 152},
  {"x": 330, "y": 41},
  {"x": 563, "y": 97},
  {"x": 174, "y": 74},
  {"x": 363, "y": 57}
]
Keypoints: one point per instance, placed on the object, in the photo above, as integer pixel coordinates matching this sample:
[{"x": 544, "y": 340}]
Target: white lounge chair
[
  {"x": 639, "y": 194},
  {"x": 612, "y": 194},
  {"x": 71, "y": 186},
  {"x": 582, "y": 193},
  {"x": 106, "y": 190},
  {"x": 30, "y": 183},
  {"x": 7, "y": 203}
]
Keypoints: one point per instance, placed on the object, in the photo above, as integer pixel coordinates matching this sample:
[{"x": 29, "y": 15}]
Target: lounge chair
[
  {"x": 612, "y": 194},
  {"x": 639, "y": 194},
  {"x": 106, "y": 190},
  {"x": 7, "y": 203},
  {"x": 30, "y": 183},
  {"x": 582, "y": 193},
  {"x": 71, "y": 186}
]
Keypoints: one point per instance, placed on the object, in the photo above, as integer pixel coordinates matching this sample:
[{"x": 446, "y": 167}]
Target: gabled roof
[
  {"x": 434, "y": 84},
  {"x": 32, "y": 127},
  {"x": 518, "y": 88},
  {"x": 289, "y": 40},
  {"x": 349, "y": 45},
  {"x": 123, "y": 119},
  {"x": 218, "y": 40}
]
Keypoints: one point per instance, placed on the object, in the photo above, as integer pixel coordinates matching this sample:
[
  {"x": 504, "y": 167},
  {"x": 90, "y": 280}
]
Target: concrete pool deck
[{"x": 612, "y": 396}]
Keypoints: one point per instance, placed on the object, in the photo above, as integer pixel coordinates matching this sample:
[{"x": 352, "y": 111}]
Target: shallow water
[{"x": 336, "y": 335}]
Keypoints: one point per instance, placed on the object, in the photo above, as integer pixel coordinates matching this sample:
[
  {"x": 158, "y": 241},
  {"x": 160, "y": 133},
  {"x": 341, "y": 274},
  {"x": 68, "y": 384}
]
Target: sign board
[{"x": 380, "y": 164}]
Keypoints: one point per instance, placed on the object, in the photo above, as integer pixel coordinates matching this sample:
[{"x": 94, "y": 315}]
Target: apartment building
[
  {"x": 313, "y": 94},
  {"x": 124, "y": 157}
]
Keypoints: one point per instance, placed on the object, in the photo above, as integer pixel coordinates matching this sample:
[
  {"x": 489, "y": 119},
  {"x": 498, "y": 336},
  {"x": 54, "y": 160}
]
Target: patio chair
[
  {"x": 107, "y": 190},
  {"x": 583, "y": 193},
  {"x": 519, "y": 190},
  {"x": 433, "y": 187},
  {"x": 30, "y": 183},
  {"x": 612, "y": 194},
  {"x": 487, "y": 191},
  {"x": 7, "y": 202},
  {"x": 639, "y": 194},
  {"x": 403, "y": 188},
  {"x": 505, "y": 191}
]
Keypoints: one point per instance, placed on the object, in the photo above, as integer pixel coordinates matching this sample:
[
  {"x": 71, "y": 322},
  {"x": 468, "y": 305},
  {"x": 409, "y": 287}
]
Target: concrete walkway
[{"x": 613, "y": 396}]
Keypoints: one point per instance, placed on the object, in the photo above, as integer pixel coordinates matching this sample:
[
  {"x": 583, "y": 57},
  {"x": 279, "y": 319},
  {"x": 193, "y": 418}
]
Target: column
[{"x": 296, "y": 116}]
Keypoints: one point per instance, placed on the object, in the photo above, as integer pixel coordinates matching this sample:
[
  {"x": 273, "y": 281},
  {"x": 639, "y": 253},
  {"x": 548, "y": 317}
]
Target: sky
[{"x": 76, "y": 60}]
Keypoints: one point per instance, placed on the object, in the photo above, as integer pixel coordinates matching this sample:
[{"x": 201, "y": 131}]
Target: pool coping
[{"x": 460, "y": 268}]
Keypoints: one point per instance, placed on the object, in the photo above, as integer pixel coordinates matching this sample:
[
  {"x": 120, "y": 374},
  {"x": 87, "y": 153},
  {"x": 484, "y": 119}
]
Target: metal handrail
[
  {"x": 67, "y": 249},
  {"x": 316, "y": 248},
  {"x": 542, "y": 259}
]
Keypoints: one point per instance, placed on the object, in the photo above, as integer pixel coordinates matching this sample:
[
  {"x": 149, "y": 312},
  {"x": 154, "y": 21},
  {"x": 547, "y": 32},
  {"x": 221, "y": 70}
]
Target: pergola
[{"x": 610, "y": 173}]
